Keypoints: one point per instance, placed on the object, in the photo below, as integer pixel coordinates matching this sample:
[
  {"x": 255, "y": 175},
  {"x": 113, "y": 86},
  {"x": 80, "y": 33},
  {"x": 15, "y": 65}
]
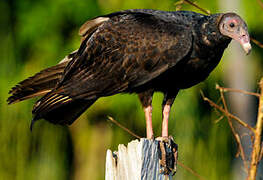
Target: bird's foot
[
  {"x": 152, "y": 138},
  {"x": 168, "y": 154}
]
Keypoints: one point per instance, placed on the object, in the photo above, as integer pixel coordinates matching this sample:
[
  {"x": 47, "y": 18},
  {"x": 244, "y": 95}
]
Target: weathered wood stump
[{"x": 144, "y": 159}]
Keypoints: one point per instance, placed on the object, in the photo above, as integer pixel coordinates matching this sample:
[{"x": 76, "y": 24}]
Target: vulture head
[{"x": 231, "y": 25}]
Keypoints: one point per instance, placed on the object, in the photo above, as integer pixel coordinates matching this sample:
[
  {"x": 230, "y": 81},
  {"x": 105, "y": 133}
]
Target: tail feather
[
  {"x": 59, "y": 109},
  {"x": 54, "y": 106},
  {"x": 39, "y": 84}
]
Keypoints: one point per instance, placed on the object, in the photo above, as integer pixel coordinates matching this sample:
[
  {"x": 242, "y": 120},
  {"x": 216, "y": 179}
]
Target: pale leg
[
  {"x": 166, "y": 112},
  {"x": 148, "y": 117},
  {"x": 146, "y": 101},
  {"x": 167, "y": 104}
]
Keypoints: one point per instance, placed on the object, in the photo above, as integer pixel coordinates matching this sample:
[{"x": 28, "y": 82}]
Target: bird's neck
[{"x": 208, "y": 33}]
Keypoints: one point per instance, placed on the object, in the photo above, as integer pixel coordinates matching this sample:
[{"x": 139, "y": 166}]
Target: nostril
[{"x": 244, "y": 38}]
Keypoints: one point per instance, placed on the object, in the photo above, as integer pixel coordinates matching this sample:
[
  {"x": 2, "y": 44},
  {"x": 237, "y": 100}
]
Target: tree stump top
[{"x": 144, "y": 159}]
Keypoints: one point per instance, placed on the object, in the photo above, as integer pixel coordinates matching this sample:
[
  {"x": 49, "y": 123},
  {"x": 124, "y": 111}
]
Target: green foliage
[{"x": 37, "y": 34}]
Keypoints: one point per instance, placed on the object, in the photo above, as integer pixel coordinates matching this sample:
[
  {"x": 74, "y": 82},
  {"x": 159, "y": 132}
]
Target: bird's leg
[
  {"x": 146, "y": 100},
  {"x": 167, "y": 155},
  {"x": 167, "y": 103},
  {"x": 148, "y": 118},
  {"x": 166, "y": 112}
]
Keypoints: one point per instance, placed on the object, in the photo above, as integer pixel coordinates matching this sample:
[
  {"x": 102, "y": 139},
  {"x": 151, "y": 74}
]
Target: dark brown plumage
[{"x": 133, "y": 51}]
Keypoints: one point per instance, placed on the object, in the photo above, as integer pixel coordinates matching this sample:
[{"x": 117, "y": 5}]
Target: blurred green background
[{"x": 37, "y": 34}]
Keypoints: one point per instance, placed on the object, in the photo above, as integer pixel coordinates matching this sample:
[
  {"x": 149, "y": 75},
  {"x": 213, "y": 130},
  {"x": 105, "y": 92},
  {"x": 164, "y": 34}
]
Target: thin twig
[
  {"x": 190, "y": 170},
  {"x": 219, "y": 119},
  {"x": 178, "y": 5},
  {"x": 124, "y": 128},
  {"x": 198, "y": 7},
  {"x": 239, "y": 144},
  {"x": 227, "y": 113},
  {"x": 237, "y": 90},
  {"x": 256, "y": 42}
]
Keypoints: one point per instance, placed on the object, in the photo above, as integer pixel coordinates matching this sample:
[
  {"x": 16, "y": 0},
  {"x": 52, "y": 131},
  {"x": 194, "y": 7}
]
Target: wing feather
[
  {"x": 124, "y": 52},
  {"x": 39, "y": 84},
  {"x": 127, "y": 51}
]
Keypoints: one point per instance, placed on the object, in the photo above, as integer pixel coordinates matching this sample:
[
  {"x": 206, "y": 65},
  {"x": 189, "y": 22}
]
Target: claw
[{"x": 168, "y": 155}]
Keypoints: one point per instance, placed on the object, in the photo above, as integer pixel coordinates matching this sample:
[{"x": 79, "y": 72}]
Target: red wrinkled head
[{"x": 234, "y": 26}]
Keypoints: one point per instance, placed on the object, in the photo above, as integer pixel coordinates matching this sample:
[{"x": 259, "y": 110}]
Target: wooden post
[{"x": 144, "y": 159}]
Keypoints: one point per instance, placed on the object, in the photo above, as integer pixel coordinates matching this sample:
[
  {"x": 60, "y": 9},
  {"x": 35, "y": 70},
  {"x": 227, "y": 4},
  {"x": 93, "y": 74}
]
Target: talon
[
  {"x": 152, "y": 138},
  {"x": 168, "y": 154}
]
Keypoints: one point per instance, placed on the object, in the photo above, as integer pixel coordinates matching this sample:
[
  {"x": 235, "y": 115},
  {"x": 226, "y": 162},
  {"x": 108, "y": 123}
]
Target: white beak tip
[{"x": 247, "y": 47}]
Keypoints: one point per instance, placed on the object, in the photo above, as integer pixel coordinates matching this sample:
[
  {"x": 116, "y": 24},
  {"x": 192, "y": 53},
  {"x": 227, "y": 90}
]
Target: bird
[{"x": 139, "y": 51}]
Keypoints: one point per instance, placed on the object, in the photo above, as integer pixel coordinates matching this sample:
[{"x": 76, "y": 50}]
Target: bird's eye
[{"x": 232, "y": 25}]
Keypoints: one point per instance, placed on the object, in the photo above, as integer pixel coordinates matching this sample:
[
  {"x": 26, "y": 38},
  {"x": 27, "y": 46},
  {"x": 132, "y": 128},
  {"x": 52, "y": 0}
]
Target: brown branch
[
  {"x": 198, "y": 7},
  {"x": 240, "y": 150},
  {"x": 178, "y": 5},
  {"x": 190, "y": 170},
  {"x": 124, "y": 128},
  {"x": 255, "y": 155},
  {"x": 261, "y": 152},
  {"x": 227, "y": 113},
  {"x": 219, "y": 119},
  {"x": 237, "y": 90},
  {"x": 256, "y": 42}
]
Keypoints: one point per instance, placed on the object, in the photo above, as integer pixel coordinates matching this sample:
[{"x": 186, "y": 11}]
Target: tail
[
  {"x": 59, "y": 109},
  {"x": 39, "y": 84}
]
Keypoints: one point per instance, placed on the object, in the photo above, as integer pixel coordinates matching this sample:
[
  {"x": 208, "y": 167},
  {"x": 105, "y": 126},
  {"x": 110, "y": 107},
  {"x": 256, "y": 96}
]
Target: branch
[
  {"x": 198, "y": 7},
  {"x": 255, "y": 155},
  {"x": 237, "y": 90},
  {"x": 124, "y": 128},
  {"x": 190, "y": 170},
  {"x": 178, "y": 5},
  {"x": 256, "y": 42},
  {"x": 261, "y": 152},
  {"x": 227, "y": 113},
  {"x": 240, "y": 147}
]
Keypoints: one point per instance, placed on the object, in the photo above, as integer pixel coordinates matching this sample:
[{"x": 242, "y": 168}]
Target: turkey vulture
[{"x": 133, "y": 51}]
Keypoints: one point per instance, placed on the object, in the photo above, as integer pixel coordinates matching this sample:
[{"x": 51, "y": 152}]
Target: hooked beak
[
  {"x": 247, "y": 47},
  {"x": 244, "y": 40}
]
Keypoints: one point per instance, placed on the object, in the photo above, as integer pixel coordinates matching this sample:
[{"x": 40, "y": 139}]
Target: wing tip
[
  {"x": 12, "y": 99},
  {"x": 35, "y": 118}
]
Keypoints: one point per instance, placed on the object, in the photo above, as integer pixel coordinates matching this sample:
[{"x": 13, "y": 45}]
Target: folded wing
[{"x": 124, "y": 52}]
